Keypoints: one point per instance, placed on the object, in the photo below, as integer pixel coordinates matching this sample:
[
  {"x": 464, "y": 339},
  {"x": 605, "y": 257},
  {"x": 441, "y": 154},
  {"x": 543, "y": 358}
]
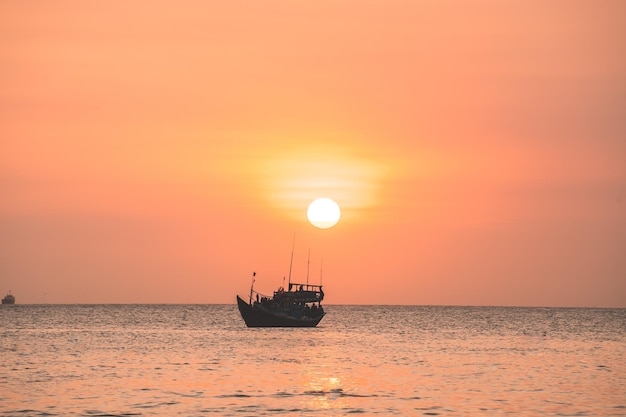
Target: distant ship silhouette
[{"x": 8, "y": 299}]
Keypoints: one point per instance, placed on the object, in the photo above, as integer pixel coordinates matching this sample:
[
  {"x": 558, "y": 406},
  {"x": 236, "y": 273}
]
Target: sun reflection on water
[{"x": 326, "y": 393}]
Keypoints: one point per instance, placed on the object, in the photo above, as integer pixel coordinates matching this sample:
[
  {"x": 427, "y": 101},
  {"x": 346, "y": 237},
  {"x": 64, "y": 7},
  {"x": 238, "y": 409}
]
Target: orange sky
[{"x": 162, "y": 151}]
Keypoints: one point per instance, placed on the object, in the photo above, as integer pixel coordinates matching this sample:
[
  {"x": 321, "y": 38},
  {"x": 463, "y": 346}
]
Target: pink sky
[{"x": 159, "y": 152}]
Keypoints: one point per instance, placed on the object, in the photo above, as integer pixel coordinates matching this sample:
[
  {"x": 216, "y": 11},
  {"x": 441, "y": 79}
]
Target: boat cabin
[{"x": 300, "y": 300}]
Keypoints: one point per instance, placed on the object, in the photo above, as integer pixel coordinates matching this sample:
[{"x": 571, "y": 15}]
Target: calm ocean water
[{"x": 195, "y": 360}]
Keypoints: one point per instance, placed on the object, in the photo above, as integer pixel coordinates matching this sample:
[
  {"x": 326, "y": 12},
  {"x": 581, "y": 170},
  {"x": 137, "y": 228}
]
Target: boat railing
[{"x": 305, "y": 287}]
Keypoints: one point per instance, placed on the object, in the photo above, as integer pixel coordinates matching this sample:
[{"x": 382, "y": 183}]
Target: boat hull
[{"x": 256, "y": 317}]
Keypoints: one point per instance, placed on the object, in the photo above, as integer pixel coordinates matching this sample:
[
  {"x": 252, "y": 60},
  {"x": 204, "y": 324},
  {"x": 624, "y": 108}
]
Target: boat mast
[
  {"x": 291, "y": 262},
  {"x": 308, "y": 262},
  {"x": 321, "y": 265}
]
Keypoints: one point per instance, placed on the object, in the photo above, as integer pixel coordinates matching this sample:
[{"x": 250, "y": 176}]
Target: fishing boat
[
  {"x": 299, "y": 306},
  {"x": 8, "y": 299}
]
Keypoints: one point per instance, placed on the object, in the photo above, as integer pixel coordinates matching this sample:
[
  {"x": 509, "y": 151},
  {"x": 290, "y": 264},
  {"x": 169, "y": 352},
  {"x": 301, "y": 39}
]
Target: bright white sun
[{"x": 323, "y": 213}]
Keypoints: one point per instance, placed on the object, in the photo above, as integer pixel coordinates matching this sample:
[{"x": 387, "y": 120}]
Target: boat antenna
[
  {"x": 291, "y": 263},
  {"x": 307, "y": 268},
  {"x": 321, "y": 265}
]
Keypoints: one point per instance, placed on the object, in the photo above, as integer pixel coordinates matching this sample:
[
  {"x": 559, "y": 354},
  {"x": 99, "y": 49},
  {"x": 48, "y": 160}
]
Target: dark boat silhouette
[
  {"x": 299, "y": 306},
  {"x": 8, "y": 299}
]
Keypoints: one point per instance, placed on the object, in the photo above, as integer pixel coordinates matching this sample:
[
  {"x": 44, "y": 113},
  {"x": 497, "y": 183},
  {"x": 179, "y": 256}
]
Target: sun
[{"x": 323, "y": 213}]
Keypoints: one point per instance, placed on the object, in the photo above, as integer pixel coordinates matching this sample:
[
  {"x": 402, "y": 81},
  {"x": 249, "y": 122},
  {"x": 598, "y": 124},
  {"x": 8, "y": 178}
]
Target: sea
[{"x": 201, "y": 360}]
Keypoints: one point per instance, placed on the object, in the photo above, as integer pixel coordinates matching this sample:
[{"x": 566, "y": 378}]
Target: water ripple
[{"x": 373, "y": 360}]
